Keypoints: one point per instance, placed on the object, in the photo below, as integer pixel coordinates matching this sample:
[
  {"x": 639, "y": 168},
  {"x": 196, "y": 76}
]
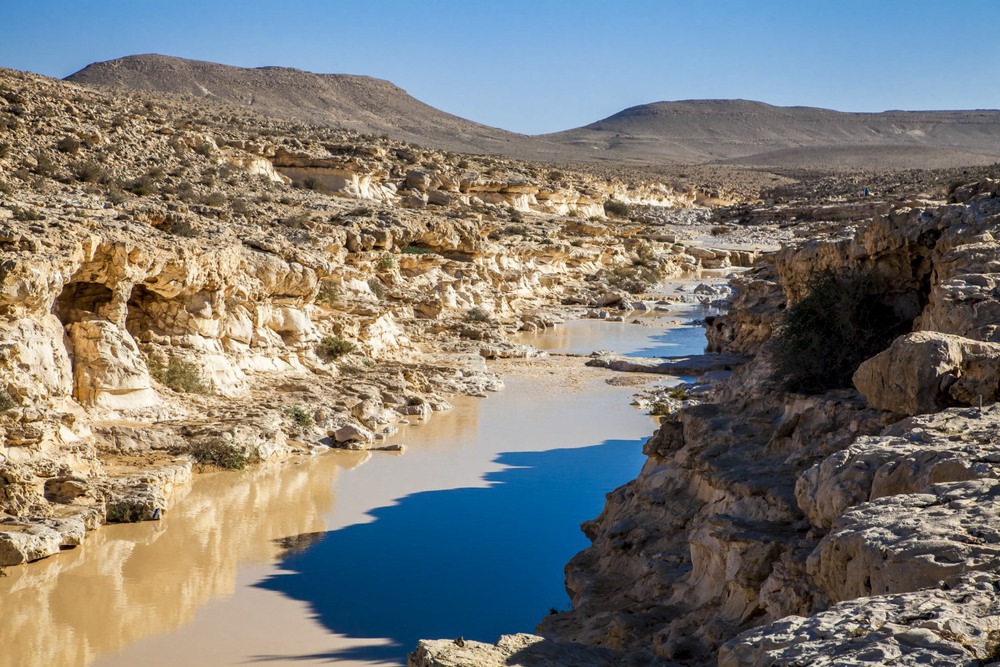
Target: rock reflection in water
[
  {"x": 129, "y": 582},
  {"x": 468, "y": 561},
  {"x": 584, "y": 337}
]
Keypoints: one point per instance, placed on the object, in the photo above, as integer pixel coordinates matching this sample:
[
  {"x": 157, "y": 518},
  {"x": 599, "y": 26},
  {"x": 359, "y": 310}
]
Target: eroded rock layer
[
  {"x": 184, "y": 284},
  {"x": 845, "y": 527}
]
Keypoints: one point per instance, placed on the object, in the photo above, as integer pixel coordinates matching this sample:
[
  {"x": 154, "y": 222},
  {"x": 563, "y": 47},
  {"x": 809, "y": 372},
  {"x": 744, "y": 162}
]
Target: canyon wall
[{"x": 850, "y": 526}]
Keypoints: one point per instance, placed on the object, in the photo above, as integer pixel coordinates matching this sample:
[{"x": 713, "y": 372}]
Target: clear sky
[{"x": 537, "y": 66}]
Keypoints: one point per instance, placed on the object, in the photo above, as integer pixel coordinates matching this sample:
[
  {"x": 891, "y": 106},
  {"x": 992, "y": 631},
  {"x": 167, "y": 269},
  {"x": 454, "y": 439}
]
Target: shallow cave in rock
[
  {"x": 142, "y": 308},
  {"x": 80, "y": 300}
]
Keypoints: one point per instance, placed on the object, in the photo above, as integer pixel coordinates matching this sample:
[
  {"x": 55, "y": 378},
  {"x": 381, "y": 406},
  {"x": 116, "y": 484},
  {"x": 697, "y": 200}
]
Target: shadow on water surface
[
  {"x": 676, "y": 342},
  {"x": 472, "y": 562}
]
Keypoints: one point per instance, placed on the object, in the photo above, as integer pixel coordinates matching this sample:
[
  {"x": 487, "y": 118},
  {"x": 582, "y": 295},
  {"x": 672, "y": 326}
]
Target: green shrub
[
  {"x": 660, "y": 409},
  {"x": 179, "y": 375},
  {"x": 302, "y": 418},
  {"x": 26, "y": 214},
  {"x": 142, "y": 186},
  {"x": 477, "y": 314},
  {"x": 822, "y": 339},
  {"x": 678, "y": 393},
  {"x": 90, "y": 172},
  {"x": 6, "y": 401},
  {"x": 184, "y": 227},
  {"x": 334, "y": 346},
  {"x": 416, "y": 250},
  {"x": 386, "y": 262},
  {"x": 44, "y": 164},
  {"x": 616, "y": 209},
  {"x": 328, "y": 293},
  {"x": 219, "y": 453},
  {"x": 69, "y": 145}
]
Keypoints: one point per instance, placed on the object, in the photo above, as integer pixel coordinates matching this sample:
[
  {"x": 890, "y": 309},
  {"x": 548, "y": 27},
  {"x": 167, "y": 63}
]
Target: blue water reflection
[
  {"x": 677, "y": 342},
  {"x": 476, "y": 562}
]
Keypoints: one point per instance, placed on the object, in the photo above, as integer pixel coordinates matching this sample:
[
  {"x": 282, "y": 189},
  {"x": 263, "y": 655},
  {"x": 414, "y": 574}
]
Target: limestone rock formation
[
  {"x": 186, "y": 286},
  {"x": 764, "y": 508}
]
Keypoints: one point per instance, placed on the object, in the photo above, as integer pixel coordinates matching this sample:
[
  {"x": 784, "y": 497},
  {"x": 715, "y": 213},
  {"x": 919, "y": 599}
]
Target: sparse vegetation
[
  {"x": 328, "y": 293},
  {"x": 377, "y": 288},
  {"x": 181, "y": 376},
  {"x": 26, "y": 214},
  {"x": 660, "y": 409},
  {"x": 68, "y": 145},
  {"x": 332, "y": 347},
  {"x": 842, "y": 320},
  {"x": 220, "y": 453},
  {"x": 301, "y": 418},
  {"x": 416, "y": 250},
  {"x": 90, "y": 172},
  {"x": 386, "y": 262},
  {"x": 616, "y": 209},
  {"x": 477, "y": 314},
  {"x": 7, "y": 403}
]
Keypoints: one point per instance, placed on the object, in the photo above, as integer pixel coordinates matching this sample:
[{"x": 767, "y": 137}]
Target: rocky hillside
[
  {"x": 359, "y": 103},
  {"x": 693, "y": 131},
  {"x": 183, "y": 286},
  {"x": 754, "y": 133}
]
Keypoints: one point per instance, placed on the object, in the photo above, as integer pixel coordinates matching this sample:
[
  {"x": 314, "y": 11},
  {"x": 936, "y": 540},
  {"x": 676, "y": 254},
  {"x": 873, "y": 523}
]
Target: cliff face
[
  {"x": 845, "y": 527},
  {"x": 168, "y": 293}
]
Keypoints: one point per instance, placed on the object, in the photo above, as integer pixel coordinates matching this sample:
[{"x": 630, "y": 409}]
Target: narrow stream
[{"x": 351, "y": 557}]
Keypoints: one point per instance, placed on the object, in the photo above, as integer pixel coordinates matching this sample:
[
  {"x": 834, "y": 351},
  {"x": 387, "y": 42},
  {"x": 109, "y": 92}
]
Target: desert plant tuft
[
  {"x": 69, "y": 145},
  {"x": 842, "y": 320},
  {"x": 26, "y": 214},
  {"x": 616, "y": 209},
  {"x": 416, "y": 250},
  {"x": 334, "y": 346},
  {"x": 6, "y": 401},
  {"x": 328, "y": 293},
  {"x": 477, "y": 314},
  {"x": 386, "y": 262},
  {"x": 179, "y": 375},
  {"x": 219, "y": 453},
  {"x": 301, "y": 418}
]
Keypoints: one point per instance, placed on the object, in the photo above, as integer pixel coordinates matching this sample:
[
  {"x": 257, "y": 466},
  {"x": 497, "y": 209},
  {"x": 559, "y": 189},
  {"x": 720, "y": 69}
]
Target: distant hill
[
  {"x": 694, "y": 131},
  {"x": 745, "y": 132},
  {"x": 360, "y": 103}
]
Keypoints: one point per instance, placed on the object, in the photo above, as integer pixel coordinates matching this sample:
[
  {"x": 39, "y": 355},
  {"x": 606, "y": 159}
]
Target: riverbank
[{"x": 213, "y": 581}]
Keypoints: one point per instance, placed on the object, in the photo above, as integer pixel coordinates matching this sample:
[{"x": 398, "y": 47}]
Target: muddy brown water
[{"x": 342, "y": 557}]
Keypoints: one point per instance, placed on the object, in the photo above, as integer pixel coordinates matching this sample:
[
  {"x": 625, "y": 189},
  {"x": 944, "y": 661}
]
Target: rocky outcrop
[
  {"x": 827, "y": 522},
  {"x": 520, "y": 650},
  {"x": 927, "y": 371},
  {"x": 951, "y": 624}
]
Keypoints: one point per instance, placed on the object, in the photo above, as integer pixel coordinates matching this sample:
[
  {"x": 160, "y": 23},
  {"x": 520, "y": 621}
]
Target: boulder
[
  {"x": 907, "y": 542},
  {"x": 927, "y": 371},
  {"x": 23, "y": 543},
  {"x": 952, "y": 624},
  {"x": 352, "y": 433}
]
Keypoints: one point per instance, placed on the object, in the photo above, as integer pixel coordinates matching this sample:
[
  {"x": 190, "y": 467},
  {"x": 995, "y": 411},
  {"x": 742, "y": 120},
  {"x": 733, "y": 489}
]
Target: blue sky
[{"x": 547, "y": 65}]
